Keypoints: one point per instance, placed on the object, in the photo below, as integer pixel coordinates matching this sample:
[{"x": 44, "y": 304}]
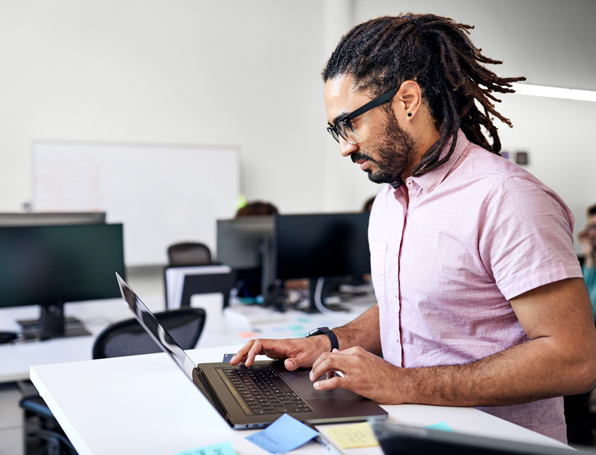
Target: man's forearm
[
  {"x": 520, "y": 374},
  {"x": 363, "y": 331},
  {"x": 559, "y": 358}
]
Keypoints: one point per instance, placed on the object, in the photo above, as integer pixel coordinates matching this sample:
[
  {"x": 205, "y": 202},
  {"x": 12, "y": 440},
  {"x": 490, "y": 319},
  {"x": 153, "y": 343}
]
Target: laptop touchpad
[{"x": 299, "y": 380}]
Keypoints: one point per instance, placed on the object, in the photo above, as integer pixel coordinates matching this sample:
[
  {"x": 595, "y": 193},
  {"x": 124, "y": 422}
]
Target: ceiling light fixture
[{"x": 554, "y": 92}]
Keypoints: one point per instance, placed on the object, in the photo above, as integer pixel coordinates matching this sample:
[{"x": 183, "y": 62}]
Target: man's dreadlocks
[{"x": 437, "y": 53}]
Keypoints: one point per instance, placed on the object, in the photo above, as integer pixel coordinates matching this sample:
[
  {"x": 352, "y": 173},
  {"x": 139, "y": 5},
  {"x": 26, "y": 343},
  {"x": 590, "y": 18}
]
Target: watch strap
[{"x": 326, "y": 331}]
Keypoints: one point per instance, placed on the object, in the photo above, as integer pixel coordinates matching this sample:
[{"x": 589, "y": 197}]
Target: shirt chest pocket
[{"x": 378, "y": 253}]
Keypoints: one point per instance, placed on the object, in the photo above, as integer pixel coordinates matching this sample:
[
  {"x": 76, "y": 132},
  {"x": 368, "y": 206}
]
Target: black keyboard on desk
[{"x": 260, "y": 390}]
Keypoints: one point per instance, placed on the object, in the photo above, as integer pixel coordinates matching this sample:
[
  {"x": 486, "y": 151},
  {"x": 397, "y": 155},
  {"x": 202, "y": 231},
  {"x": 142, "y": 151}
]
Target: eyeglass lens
[{"x": 347, "y": 131}]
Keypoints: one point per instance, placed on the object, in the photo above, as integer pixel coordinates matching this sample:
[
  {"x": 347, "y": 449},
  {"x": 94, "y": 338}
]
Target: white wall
[
  {"x": 167, "y": 72},
  {"x": 248, "y": 73}
]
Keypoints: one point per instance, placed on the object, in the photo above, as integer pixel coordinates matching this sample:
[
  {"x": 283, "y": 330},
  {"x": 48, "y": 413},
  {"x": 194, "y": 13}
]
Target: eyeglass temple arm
[{"x": 372, "y": 104}]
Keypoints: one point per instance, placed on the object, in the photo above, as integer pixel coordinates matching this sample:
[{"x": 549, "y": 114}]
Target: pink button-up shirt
[{"x": 476, "y": 232}]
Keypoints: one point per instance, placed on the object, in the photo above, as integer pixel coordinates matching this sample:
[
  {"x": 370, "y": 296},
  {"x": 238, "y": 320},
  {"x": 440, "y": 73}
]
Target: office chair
[
  {"x": 129, "y": 338},
  {"x": 189, "y": 253},
  {"x": 43, "y": 433}
]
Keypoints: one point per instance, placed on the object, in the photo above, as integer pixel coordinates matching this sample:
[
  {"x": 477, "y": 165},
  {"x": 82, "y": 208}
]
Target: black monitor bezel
[
  {"x": 293, "y": 267},
  {"x": 52, "y": 322}
]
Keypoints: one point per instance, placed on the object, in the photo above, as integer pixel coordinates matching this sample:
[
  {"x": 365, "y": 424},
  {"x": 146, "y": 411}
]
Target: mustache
[{"x": 360, "y": 157}]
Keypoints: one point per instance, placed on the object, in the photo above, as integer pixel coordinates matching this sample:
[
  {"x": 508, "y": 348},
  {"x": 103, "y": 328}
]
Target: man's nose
[{"x": 346, "y": 148}]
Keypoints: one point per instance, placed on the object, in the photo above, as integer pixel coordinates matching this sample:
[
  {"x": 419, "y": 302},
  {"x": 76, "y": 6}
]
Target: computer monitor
[
  {"x": 241, "y": 243},
  {"x": 322, "y": 245},
  {"x": 49, "y": 266},
  {"x": 315, "y": 246},
  {"x": 50, "y": 218}
]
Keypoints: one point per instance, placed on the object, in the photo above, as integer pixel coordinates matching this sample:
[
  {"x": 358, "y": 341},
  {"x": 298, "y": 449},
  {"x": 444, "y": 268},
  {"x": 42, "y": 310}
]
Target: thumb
[
  {"x": 291, "y": 364},
  {"x": 300, "y": 361}
]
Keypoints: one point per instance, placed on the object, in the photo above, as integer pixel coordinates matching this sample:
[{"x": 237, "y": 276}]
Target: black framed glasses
[{"x": 343, "y": 126}]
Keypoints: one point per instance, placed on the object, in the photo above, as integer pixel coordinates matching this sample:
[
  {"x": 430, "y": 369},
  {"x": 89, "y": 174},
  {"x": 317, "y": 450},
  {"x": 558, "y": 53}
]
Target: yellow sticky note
[{"x": 353, "y": 436}]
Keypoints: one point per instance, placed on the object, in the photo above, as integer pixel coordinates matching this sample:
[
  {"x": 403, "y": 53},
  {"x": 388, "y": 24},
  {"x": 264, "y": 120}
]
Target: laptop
[{"x": 257, "y": 396}]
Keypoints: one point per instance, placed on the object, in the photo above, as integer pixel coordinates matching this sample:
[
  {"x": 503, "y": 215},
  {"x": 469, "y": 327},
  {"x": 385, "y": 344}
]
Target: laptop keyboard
[{"x": 259, "y": 390}]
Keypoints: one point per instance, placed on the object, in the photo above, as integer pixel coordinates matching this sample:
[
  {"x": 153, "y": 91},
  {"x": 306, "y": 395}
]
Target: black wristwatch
[{"x": 325, "y": 331}]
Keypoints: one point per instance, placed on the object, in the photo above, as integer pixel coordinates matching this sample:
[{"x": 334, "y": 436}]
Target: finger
[
  {"x": 302, "y": 360},
  {"x": 323, "y": 357},
  {"x": 241, "y": 354},
  {"x": 328, "y": 363},
  {"x": 290, "y": 364},
  {"x": 247, "y": 353},
  {"x": 255, "y": 350},
  {"x": 316, "y": 365},
  {"x": 336, "y": 382}
]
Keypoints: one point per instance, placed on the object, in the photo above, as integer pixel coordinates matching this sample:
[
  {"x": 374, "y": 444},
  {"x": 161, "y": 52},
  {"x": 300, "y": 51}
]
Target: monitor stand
[
  {"x": 52, "y": 324},
  {"x": 319, "y": 288}
]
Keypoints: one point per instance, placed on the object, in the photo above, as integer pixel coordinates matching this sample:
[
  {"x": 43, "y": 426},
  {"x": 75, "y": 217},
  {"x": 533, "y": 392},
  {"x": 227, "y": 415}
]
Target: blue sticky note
[
  {"x": 283, "y": 435},
  {"x": 224, "y": 448},
  {"x": 440, "y": 426}
]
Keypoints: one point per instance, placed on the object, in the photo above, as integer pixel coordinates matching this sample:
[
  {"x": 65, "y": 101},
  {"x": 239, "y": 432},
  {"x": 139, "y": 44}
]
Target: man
[
  {"x": 481, "y": 300},
  {"x": 587, "y": 238}
]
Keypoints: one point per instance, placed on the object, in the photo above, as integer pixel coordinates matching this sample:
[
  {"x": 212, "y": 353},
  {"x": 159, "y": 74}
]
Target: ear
[{"x": 409, "y": 98}]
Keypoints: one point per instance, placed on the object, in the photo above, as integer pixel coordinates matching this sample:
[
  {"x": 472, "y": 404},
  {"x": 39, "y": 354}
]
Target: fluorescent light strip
[{"x": 554, "y": 92}]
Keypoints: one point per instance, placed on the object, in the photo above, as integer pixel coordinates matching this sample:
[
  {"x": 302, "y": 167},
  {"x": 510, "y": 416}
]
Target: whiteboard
[{"x": 162, "y": 194}]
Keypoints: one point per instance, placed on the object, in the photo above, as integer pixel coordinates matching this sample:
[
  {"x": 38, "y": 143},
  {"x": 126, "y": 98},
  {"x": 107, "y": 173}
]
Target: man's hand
[
  {"x": 362, "y": 372},
  {"x": 297, "y": 352},
  {"x": 302, "y": 352}
]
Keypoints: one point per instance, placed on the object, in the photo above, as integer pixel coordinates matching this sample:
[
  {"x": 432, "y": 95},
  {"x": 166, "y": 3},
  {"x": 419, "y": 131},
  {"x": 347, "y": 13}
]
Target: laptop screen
[{"x": 167, "y": 343}]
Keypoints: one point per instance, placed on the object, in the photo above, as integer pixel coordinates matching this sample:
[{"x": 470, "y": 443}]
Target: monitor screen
[
  {"x": 240, "y": 245},
  {"x": 321, "y": 245},
  {"x": 240, "y": 241},
  {"x": 50, "y": 265}
]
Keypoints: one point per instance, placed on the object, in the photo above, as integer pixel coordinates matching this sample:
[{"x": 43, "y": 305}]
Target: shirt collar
[{"x": 432, "y": 179}]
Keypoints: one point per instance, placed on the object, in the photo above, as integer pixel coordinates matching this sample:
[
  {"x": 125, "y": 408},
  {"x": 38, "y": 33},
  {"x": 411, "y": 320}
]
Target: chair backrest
[
  {"x": 129, "y": 338},
  {"x": 189, "y": 253}
]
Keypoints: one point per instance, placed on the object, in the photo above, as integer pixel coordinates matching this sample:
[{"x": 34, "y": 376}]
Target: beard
[{"x": 393, "y": 153}]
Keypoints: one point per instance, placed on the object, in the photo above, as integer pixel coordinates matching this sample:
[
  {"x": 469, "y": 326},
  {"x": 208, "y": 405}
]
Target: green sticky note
[{"x": 224, "y": 448}]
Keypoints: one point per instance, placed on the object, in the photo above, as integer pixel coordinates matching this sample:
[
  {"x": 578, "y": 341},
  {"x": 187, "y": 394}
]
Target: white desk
[{"x": 145, "y": 405}]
